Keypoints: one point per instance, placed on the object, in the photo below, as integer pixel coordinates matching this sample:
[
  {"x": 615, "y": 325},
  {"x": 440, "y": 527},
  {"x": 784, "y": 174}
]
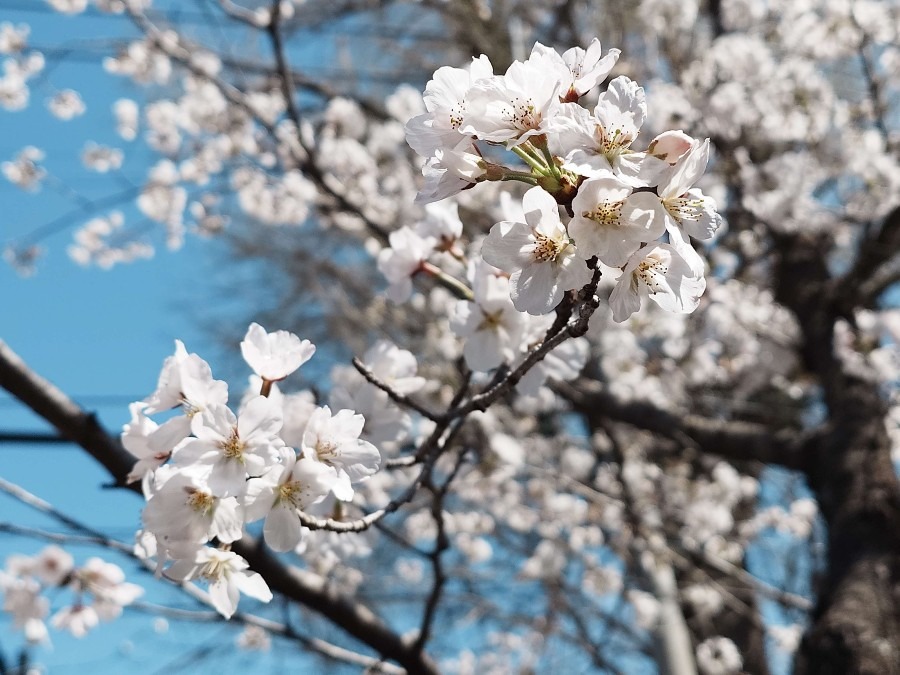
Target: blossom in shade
[
  {"x": 184, "y": 510},
  {"x": 490, "y": 325},
  {"x": 394, "y": 367},
  {"x": 404, "y": 258},
  {"x": 450, "y": 171}
]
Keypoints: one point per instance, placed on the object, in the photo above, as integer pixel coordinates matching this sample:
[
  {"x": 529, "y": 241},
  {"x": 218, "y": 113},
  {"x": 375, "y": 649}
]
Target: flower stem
[
  {"x": 458, "y": 288},
  {"x": 531, "y": 161}
]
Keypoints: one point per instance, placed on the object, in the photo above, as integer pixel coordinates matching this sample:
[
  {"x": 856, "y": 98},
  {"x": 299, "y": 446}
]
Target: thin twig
[{"x": 398, "y": 398}]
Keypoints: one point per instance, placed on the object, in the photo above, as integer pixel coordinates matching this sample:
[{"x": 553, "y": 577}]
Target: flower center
[
  {"x": 524, "y": 115},
  {"x": 652, "y": 271},
  {"x": 613, "y": 141},
  {"x": 490, "y": 320},
  {"x": 290, "y": 493},
  {"x": 326, "y": 451},
  {"x": 234, "y": 447},
  {"x": 605, "y": 214},
  {"x": 684, "y": 208},
  {"x": 545, "y": 248},
  {"x": 200, "y": 501},
  {"x": 213, "y": 570},
  {"x": 457, "y": 113},
  {"x": 189, "y": 408}
]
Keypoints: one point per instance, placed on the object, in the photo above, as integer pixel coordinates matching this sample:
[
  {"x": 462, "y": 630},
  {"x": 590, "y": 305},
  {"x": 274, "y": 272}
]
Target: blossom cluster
[
  {"x": 207, "y": 471},
  {"x": 631, "y": 210},
  {"x": 99, "y": 588}
]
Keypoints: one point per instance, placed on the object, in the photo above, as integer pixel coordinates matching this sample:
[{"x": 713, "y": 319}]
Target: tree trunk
[{"x": 855, "y": 627}]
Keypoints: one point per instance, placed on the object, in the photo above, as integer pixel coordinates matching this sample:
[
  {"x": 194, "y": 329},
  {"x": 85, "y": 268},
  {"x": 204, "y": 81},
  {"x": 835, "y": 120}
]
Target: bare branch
[
  {"x": 737, "y": 441},
  {"x": 399, "y": 399}
]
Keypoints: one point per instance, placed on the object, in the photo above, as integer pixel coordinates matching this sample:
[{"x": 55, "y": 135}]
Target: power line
[
  {"x": 88, "y": 399},
  {"x": 32, "y": 438}
]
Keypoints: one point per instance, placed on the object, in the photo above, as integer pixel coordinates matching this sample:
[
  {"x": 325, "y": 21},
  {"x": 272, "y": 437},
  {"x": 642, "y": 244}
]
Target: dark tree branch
[
  {"x": 400, "y": 399},
  {"x": 736, "y": 441},
  {"x": 862, "y": 284},
  {"x": 441, "y": 545},
  {"x": 857, "y": 619}
]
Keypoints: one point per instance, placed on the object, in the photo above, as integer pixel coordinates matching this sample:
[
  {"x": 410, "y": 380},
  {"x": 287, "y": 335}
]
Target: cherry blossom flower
[
  {"x": 442, "y": 224},
  {"x": 579, "y": 70},
  {"x": 394, "y": 367},
  {"x": 24, "y": 171},
  {"x": 13, "y": 39},
  {"x": 78, "y": 619},
  {"x": 274, "y": 356},
  {"x": 386, "y": 422},
  {"x": 297, "y": 409},
  {"x": 53, "y": 565},
  {"x": 227, "y": 574},
  {"x": 254, "y": 638},
  {"x": 231, "y": 448},
  {"x": 491, "y": 326},
  {"x": 103, "y": 242},
  {"x": 561, "y": 364},
  {"x": 186, "y": 381},
  {"x": 608, "y": 220},
  {"x": 542, "y": 260},
  {"x": 23, "y": 600},
  {"x": 684, "y": 210},
  {"x": 107, "y": 580},
  {"x": 334, "y": 441},
  {"x": 402, "y": 260},
  {"x": 601, "y": 143},
  {"x": 127, "y": 116},
  {"x": 719, "y": 656},
  {"x": 672, "y": 277},
  {"x": 66, "y": 105},
  {"x": 670, "y": 146},
  {"x": 446, "y": 102},
  {"x": 514, "y": 107},
  {"x": 450, "y": 171},
  {"x": 69, "y": 6},
  {"x": 151, "y": 443},
  {"x": 283, "y": 490},
  {"x": 184, "y": 510},
  {"x": 100, "y": 158}
]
